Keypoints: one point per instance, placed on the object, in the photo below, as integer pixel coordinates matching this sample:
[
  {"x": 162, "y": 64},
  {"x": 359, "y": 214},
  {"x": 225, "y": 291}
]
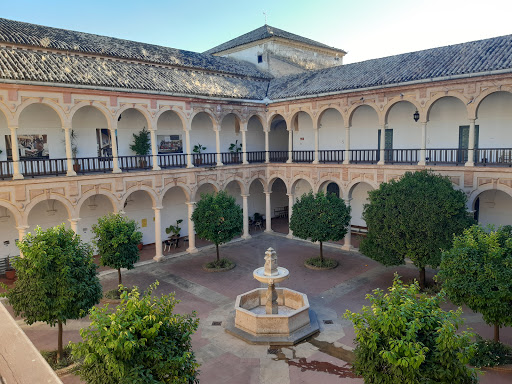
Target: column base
[
  {"x": 17, "y": 176},
  {"x": 267, "y": 161},
  {"x": 315, "y": 162},
  {"x": 219, "y": 164},
  {"x": 269, "y": 230},
  {"x": 289, "y": 161},
  {"x": 70, "y": 173},
  {"x": 289, "y": 236},
  {"x": 469, "y": 164},
  {"x": 246, "y": 237},
  {"x": 158, "y": 258},
  {"x": 245, "y": 162},
  {"x": 346, "y": 162},
  {"x": 157, "y": 168},
  {"x": 190, "y": 165},
  {"x": 117, "y": 170},
  {"x": 348, "y": 247},
  {"x": 192, "y": 250},
  {"x": 380, "y": 162},
  {"x": 423, "y": 163}
]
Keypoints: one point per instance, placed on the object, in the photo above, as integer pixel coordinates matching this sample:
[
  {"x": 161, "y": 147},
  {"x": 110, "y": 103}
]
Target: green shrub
[
  {"x": 490, "y": 353},
  {"x": 66, "y": 360},
  {"x": 219, "y": 264},
  {"x": 321, "y": 262}
]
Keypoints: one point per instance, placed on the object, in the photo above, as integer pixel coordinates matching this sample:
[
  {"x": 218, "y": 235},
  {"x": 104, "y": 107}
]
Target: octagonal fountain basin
[{"x": 293, "y": 322}]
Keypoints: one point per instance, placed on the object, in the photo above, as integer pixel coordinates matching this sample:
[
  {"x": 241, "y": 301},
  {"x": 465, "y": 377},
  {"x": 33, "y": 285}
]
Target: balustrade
[{"x": 331, "y": 156}]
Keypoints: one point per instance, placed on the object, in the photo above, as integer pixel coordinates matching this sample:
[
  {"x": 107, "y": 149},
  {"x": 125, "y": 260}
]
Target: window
[{"x": 260, "y": 58}]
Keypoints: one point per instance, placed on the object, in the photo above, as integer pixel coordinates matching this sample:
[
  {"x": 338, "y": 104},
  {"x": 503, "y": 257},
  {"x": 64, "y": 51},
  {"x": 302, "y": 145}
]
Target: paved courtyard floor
[{"x": 228, "y": 360}]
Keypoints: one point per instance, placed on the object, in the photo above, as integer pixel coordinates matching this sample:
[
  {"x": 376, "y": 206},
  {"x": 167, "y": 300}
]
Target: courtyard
[{"x": 323, "y": 358}]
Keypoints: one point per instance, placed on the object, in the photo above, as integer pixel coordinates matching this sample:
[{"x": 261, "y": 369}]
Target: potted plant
[
  {"x": 197, "y": 150},
  {"x": 141, "y": 145},
  {"x": 10, "y": 272},
  {"x": 74, "y": 149},
  {"x": 174, "y": 232},
  {"x": 235, "y": 148}
]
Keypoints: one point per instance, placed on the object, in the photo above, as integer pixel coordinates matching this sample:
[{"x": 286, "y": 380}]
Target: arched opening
[
  {"x": 359, "y": 197},
  {"x": 130, "y": 122},
  {"x": 202, "y": 134},
  {"x": 91, "y": 210},
  {"x": 403, "y": 134},
  {"x": 278, "y": 139},
  {"x": 255, "y": 138},
  {"x": 138, "y": 206},
  {"x": 447, "y": 131},
  {"x": 203, "y": 189},
  {"x": 231, "y": 139},
  {"x": 330, "y": 187},
  {"x": 364, "y": 135},
  {"x": 9, "y": 234},
  {"x": 174, "y": 208},
  {"x": 279, "y": 206},
  {"x": 233, "y": 189},
  {"x": 493, "y": 207},
  {"x": 47, "y": 214},
  {"x": 300, "y": 187},
  {"x": 170, "y": 140},
  {"x": 494, "y": 118},
  {"x": 5, "y": 133},
  {"x": 303, "y": 138},
  {"x": 331, "y": 136},
  {"x": 257, "y": 208},
  {"x": 40, "y": 137}
]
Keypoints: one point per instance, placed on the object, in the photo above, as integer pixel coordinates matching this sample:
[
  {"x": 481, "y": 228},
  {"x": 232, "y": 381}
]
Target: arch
[
  {"x": 487, "y": 187},
  {"x": 237, "y": 180},
  {"x": 184, "y": 188},
  {"x": 325, "y": 109},
  {"x": 475, "y": 105},
  {"x": 16, "y": 213},
  {"x": 104, "y": 110},
  {"x": 237, "y": 117},
  {"x": 406, "y": 99},
  {"x": 352, "y": 109},
  {"x": 109, "y": 195},
  {"x": 350, "y": 187},
  {"x": 50, "y": 103},
  {"x": 253, "y": 179},
  {"x": 295, "y": 115},
  {"x": 144, "y": 112},
  {"x": 151, "y": 192},
  {"x": 271, "y": 182},
  {"x": 272, "y": 116},
  {"x": 259, "y": 117},
  {"x": 434, "y": 99},
  {"x": 167, "y": 108},
  {"x": 216, "y": 187},
  {"x": 67, "y": 204},
  {"x": 296, "y": 179},
  {"x": 215, "y": 123},
  {"x": 327, "y": 180},
  {"x": 7, "y": 113}
]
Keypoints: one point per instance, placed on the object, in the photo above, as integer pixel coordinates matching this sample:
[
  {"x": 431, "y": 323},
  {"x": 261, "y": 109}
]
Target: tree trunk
[
  {"x": 321, "y": 253},
  {"x": 496, "y": 332},
  {"x": 119, "y": 276},
  {"x": 59, "y": 342},
  {"x": 217, "y": 249},
  {"x": 422, "y": 278}
]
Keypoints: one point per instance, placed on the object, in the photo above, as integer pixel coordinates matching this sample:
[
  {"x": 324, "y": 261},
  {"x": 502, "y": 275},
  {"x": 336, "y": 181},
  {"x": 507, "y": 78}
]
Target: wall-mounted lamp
[{"x": 416, "y": 116}]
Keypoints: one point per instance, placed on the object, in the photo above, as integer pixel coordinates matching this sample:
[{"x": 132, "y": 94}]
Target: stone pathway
[{"x": 228, "y": 360}]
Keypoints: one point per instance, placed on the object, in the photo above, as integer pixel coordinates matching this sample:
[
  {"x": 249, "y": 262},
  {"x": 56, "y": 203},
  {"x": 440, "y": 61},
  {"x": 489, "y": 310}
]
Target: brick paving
[{"x": 226, "y": 359}]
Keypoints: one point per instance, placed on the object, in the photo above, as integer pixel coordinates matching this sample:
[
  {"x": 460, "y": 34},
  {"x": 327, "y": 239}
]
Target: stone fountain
[{"x": 272, "y": 315}]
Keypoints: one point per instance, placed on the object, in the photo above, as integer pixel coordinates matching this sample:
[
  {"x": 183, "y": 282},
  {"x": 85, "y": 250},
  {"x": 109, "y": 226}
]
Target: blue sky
[{"x": 366, "y": 29}]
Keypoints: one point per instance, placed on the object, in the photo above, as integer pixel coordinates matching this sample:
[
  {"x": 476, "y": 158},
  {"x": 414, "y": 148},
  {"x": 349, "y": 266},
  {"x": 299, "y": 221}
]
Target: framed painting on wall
[
  {"x": 104, "y": 142},
  {"x": 169, "y": 144},
  {"x": 29, "y": 146}
]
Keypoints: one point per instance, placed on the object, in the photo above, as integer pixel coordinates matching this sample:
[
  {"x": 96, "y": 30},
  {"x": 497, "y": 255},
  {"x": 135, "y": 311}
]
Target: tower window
[{"x": 260, "y": 58}]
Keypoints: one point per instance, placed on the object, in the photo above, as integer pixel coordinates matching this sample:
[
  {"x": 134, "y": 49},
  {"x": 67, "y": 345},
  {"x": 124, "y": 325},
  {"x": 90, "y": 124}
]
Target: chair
[
  {"x": 166, "y": 245},
  {"x": 258, "y": 224}
]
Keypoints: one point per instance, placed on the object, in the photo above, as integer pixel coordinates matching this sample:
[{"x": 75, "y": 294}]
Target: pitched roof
[
  {"x": 266, "y": 32},
  {"x": 16, "y": 32},
  {"x": 59, "y": 69},
  {"x": 476, "y": 57}
]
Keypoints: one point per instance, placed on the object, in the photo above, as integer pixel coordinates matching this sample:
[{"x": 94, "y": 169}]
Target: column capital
[
  {"x": 157, "y": 208},
  {"x": 246, "y": 195},
  {"x": 267, "y": 192},
  {"x": 22, "y": 227},
  {"x": 189, "y": 203},
  {"x": 290, "y": 194},
  {"x": 75, "y": 220},
  {"x": 472, "y": 120},
  {"x": 13, "y": 127}
]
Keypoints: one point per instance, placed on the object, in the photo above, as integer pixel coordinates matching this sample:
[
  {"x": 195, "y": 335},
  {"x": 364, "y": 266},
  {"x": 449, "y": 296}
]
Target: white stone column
[
  {"x": 290, "y": 145},
  {"x": 423, "y": 150},
  {"x": 190, "y": 163},
  {"x": 317, "y": 158},
  {"x": 115, "y": 156},
  {"x": 74, "y": 224},
  {"x": 158, "y": 234},
  {"x": 191, "y": 232},
  {"x": 347, "y": 241},
  {"x": 471, "y": 144},
  {"x": 22, "y": 231},
  {"x": 243, "y": 128},
  {"x": 268, "y": 215},
  {"x": 16, "y": 174},
  {"x": 217, "y": 146},
  {"x": 154, "y": 150},
  {"x": 382, "y": 144},
  {"x": 69, "y": 150},
  {"x": 267, "y": 148},
  {"x": 245, "y": 209},
  {"x": 290, "y": 208},
  {"x": 347, "y": 145}
]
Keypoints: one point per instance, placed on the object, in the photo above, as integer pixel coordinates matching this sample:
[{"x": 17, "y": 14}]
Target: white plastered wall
[
  {"x": 406, "y": 132},
  {"x": 278, "y": 136},
  {"x": 8, "y": 234},
  {"x": 174, "y": 208},
  {"x": 495, "y": 208},
  {"x": 446, "y": 115},
  {"x": 256, "y": 200},
  {"x": 255, "y": 136},
  {"x": 46, "y": 214},
  {"x": 365, "y": 125},
  {"x": 228, "y": 134},
  {"x": 91, "y": 210},
  {"x": 233, "y": 189},
  {"x": 132, "y": 122},
  {"x": 4, "y": 131},
  {"x": 85, "y": 122},
  {"x": 139, "y": 207},
  {"x": 42, "y": 119},
  {"x": 495, "y": 121},
  {"x": 278, "y": 197},
  {"x": 301, "y": 187},
  {"x": 203, "y": 189},
  {"x": 332, "y": 131},
  {"x": 202, "y": 133},
  {"x": 304, "y": 138},
  {"x": 359, "y": 199}
]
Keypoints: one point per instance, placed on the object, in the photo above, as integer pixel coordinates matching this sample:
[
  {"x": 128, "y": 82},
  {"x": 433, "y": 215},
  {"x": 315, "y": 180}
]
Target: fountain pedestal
[{"x": 272, "y": 315}]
